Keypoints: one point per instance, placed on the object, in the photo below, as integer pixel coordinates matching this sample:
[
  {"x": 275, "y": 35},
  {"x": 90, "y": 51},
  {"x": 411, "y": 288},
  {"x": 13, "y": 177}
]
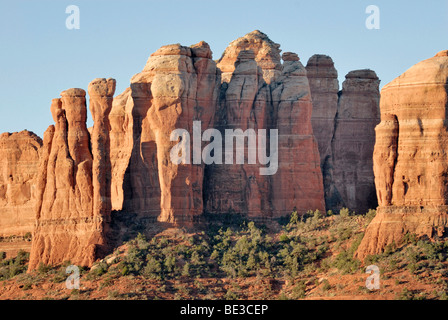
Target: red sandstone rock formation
[
  {"x": 353, "y": 141},
  {"x": 324, "y": 86},
  {"x": 73, "y": 203},
  {"x": 248, "y": 65},
  {"x": 239, "y": 188},
  {"x": 343, "y": 124},
  {"x": 177, "y": 86},
  {"x": 298, "y": 184},
  {"x": 123, "y": 162},
  {"x": 267, "y": 55},
  {"x": 101, "y": 93},
  {"x": 183, "y": 83},
  {"x": 247, "y": 101},
  {"x": 410, "y": 161},
  {"x": 121, "y": 145},
  {"x": 19, "y": 163}
]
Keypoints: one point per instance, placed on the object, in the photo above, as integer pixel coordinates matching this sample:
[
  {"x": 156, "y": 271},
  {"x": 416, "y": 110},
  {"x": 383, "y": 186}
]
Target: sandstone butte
[
  {"x": 80, "y": 189},
  {"x": 410, "y": 159}
]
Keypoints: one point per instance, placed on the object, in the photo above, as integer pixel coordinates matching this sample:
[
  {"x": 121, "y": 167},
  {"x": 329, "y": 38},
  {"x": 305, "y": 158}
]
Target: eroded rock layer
[{"x": 410, "y": 160}]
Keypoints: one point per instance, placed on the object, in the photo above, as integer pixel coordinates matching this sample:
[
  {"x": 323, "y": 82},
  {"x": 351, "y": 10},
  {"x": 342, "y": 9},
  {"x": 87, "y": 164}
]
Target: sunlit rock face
[{"x": 410, "y": 160}]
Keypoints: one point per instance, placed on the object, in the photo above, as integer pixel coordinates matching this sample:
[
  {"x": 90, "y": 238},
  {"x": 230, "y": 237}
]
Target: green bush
[
  {"x": 370, "y": 215},
  {"x": 43, "y": 268},
  {"x": 344, "y": 212},
  {"x": 299, "y": 291},
  {"x": 10, "y": 268},
  {"x": 325, "y": 285}
]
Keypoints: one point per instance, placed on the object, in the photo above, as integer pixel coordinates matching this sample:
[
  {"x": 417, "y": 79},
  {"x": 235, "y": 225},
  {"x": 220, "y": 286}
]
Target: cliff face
[
  {"x": 354, "y": 140},
  {"x": 343, "y": 123},
  {"x": 19, "y": 163},
  {"x": 410, "y": 161},
  {"x": 324, "y": 86},
  {"x": 259, "y": 93},
  {"x": 177, "y": 86},
  {"x": 185, "y": 106},
  {"x": 298, "y": 183},
  {"x": 238, "y": 187}
]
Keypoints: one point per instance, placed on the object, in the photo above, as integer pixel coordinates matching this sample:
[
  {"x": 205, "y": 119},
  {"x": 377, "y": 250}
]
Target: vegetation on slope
[{"x": 305, "y": 257}]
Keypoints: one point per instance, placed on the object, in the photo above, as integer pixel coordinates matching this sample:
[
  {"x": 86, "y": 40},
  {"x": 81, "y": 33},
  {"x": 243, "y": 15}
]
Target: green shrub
[
  {"x": 299, "y": 291},
  {"x": 43, "y": 268},
  {"x": 153, "y": 268},
  {"x": 370, "y": 215},
  {"x": 344, "y": 212},
  {"x": 100, "y": 269},
  {"x": 231, "y": 295},
  {"x": 410, "y": 238},
  {"x": 10, "y": 268},
  {"x": 405, "y": 294},
  {"x": 186, "y": 270},
  {"x": 325, "y": 285}
]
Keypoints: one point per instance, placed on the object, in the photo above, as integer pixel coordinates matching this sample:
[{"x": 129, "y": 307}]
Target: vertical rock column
[
  {"x": 121, "y": 145},
  {"x": 67, "y": 227},
  {"x": 354, "y": 140},
  {"x": 249, "y": 64},
  {"x": 260, "y": 93},
  {"x": 239, "y": 188},
  {"x": 324, "y": 86},
  {"x": 298, "y": 183},
  {"x": 138, "y": 172},
  {"x": 183, "y": 89},
  {"x": 101, "y": 92}
]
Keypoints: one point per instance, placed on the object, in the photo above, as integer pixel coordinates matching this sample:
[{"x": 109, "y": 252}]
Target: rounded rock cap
[
  {"x": 443, "y": 53},
  {"x": 430, "y": 71},
  {"x": 102, "y": 87},
  {"x": 320, "y": 60},
  {"x": 172, "y": 50},
  {"x": 202, "y": 50},
  {"x": 74, "y": 92},
  {"x": 290, "y": 56},
  {"x": 362, "y": 74}
]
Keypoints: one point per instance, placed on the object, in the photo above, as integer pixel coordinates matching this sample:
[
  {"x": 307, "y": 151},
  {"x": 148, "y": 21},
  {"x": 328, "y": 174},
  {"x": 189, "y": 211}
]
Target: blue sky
[{"x": 40, "y": 57}]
